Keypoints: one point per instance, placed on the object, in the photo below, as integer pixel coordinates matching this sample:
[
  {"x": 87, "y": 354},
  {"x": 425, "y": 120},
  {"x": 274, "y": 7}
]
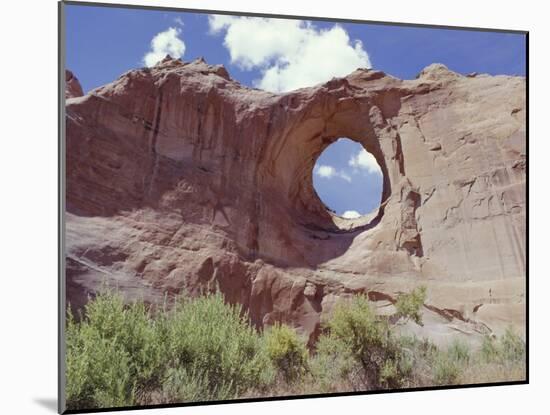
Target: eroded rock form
[
  {"x": 179, "y": 179},
  {"x": 72, "y": 85}
]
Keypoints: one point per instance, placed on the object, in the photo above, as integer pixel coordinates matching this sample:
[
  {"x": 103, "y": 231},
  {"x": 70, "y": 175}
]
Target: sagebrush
[{"x": 202, "y": 349}]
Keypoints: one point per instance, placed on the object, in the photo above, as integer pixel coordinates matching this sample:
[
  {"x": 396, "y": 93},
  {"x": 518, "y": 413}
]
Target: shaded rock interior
[{"x": 179, "y": 178}]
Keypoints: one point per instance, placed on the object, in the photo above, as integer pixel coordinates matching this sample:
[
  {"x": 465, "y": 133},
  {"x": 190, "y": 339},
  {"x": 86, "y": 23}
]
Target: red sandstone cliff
[{"x": 177, "y": 177}]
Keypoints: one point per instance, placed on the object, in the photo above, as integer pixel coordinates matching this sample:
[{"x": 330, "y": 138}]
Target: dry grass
[{"x": 492, "y": 373}]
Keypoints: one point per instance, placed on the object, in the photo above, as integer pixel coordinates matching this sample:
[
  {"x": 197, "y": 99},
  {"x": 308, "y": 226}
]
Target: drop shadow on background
[{"x": 48, "y": 403}]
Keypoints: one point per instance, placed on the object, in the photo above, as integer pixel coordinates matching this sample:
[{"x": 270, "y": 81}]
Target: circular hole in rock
[{"x": 348, "y": 180}]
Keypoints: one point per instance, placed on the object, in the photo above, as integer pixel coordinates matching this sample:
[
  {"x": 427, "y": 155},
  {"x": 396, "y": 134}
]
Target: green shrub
[
  {"x": 362, "y": 337},
  {"x": 489, "y": 351},
  {"x": 507, "y": 349},
  {"x": 98, "y": 368},
  {"x": 213, "y": 339},
  {"x": 182, "y": 385},
  {"x": 120, "y": 354},
  {"x": 446, "y": 370},
  {"x": 204, "y": 349},
  {"x": 512, "y": 346},
  {"x": 331, "y": 366},
  {"x": 423, "y": 347},
  {"x": 389, "y": 373},
  {"x": 449, "y": 364},
  {"x": 459, "y": 352},
  {"x": 417, "y": 360},
  {"x": 287, "y": 351},
  {"x": 409, "y": 305}
]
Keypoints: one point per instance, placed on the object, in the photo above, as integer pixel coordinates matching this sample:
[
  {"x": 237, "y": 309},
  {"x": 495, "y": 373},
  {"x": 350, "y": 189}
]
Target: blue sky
[
  {"x": 281, "y": 55},
  {"x": 348, "y": 179}
]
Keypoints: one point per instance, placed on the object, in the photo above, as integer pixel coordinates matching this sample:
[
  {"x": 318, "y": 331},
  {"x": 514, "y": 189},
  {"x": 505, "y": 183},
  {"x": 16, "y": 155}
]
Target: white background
[{"x": 28, "y": 203}]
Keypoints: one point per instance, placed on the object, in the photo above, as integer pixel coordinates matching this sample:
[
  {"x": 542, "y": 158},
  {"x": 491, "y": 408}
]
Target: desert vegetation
[{"x": 204, "y": 349}]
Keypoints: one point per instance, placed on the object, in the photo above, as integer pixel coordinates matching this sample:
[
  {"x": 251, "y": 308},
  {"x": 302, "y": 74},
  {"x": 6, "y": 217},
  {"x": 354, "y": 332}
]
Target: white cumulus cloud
[
  {"x": 165, "y": 43},
  {"x": 290, "y": 54},
  {"x": 366, "y": 161},
  {"x": 351, "y": 214},
  {"x": 328, "y": 172}
]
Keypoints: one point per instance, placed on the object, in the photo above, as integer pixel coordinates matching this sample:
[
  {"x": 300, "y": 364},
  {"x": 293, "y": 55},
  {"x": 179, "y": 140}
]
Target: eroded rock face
[{"x": 179, "y": 178}]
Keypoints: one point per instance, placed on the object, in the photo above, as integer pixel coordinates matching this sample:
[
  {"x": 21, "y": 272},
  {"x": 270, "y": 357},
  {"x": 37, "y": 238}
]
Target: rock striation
[{"x": 179, "y": 179}]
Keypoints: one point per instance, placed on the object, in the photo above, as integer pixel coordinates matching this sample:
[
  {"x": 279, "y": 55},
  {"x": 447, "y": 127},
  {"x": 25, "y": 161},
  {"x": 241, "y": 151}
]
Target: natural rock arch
[{"x": 178, "y": 176}]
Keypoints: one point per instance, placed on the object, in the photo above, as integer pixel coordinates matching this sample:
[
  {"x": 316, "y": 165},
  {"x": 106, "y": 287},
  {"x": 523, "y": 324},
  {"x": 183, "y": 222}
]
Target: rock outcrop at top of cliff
[
  {"x": 179, "y": 178},
  {"x": 72, "y": 86}
]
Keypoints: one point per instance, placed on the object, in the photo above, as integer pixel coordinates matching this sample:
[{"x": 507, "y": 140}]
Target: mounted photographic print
[{"x": 264, "y": 207}]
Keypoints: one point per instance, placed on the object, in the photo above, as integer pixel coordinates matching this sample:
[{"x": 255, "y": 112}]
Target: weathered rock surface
[
  {"x": 179, "y": 178},
  {"x": 72, "y": 85}
]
